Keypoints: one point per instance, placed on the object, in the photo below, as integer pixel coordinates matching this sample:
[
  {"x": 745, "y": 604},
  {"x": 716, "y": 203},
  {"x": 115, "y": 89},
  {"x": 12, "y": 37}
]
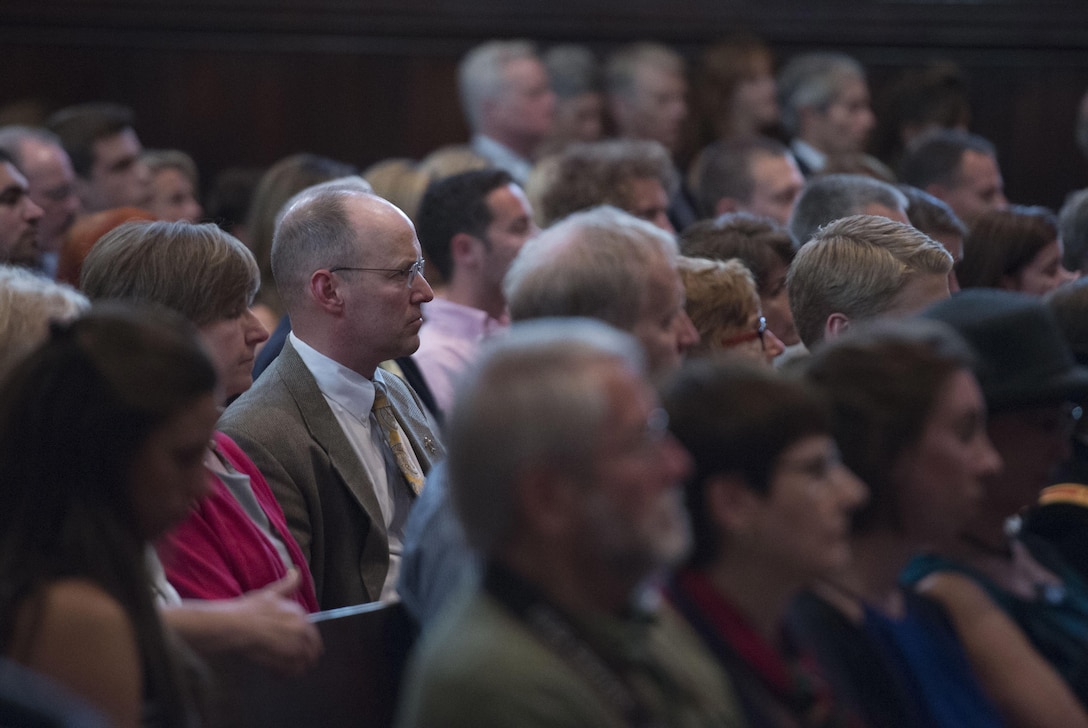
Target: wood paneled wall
[{"x": 245, "y": 82}]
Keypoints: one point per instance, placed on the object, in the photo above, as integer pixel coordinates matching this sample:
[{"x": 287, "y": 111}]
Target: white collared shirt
[
  {"x": 350, "y": 396},
  {"x": 809, "y": 155},
  {"x": 503, "y": 157}
]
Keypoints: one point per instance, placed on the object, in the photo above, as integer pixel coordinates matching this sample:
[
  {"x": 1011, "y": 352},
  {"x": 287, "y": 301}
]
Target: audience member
[
  {"x": 959, "y": 168},
  {"x": 101, "y": 435},
  {"x": 1069, "y": 304},
  {"x": 229, "y": 200},
  {"x": 602, "y": 264},
  {"x": 175, "y": 185},
  {"x": 858, "y": 163},
  {"x": 935, "y": 218},
  {"x": 28, "y": 302},
  {"x": 1022, "y": 618},
  {"x": 85, "y": 233},
  {"x": 508, "y": 103},
  {"x": 236, "y": 540},
  {"x": 919, "y": 101},
  {"x": 647, "y": 93},
  {"x": 824, "y": 102},
  {"x": 863, "y": 267},
  {"x": 835, "y": 196},
  {"x": 734, "y": 91},
  {"x": 403, "y": 182},
  {"x": 19, "y": 217},
  {"x": 282, "y": 181},
  {"x": 269, "y": 350},
  {"x": 101, "y": 142},
  {"x": 1073, "y": 231},
  {"x": 910, "y": 421},
  {"x": 343, "y": 446},
  {"x": 754, "y": 174},
  {"x": 1016, "y": 249},
  {"x": 766, "y": 250},
  {"x": 569, "y": 485},
  {"x": 576, "y": 79},
  {"x": 471, "y": 227},
  {"x": 723, "y": 304},
  {"x": 262, "y": 625},
  {"x": 39, "y": 155},
  {"x": 770, "y": 504},
  {"x": 647, "y": 99},
  {"x": 636, "y": 176},
  {"x": 606, "y": 264}
]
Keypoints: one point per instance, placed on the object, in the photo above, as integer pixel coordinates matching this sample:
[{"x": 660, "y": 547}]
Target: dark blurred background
[{"x": 245, "y": 82}]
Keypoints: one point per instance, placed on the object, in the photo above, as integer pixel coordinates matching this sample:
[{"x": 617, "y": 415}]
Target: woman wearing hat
[{"x": 1020, "y": 613}]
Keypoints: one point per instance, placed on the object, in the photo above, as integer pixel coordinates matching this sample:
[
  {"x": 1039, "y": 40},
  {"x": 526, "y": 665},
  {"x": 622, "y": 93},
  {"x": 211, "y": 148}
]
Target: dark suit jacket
[{"x": 285, "y": 426}]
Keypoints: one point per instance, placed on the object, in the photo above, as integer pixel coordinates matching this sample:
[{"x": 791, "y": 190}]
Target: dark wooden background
[{"x": 245, "y": 82}]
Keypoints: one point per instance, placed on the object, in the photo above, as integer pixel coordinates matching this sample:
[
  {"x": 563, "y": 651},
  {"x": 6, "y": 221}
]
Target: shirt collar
[
  {"x": 461, "y": 320},
  {"x": 502, "y": 157},
  {"x": 348, "y": 388},
  {"x": 813, "y": 158}
]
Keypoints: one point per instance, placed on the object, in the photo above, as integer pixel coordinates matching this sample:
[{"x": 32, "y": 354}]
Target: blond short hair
[
  {"x": 721, "y": 298},
  {"x": 857, "y": 266}
]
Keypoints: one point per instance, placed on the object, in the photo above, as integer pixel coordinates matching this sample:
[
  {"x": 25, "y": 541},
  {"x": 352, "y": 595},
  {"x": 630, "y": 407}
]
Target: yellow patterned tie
[{"x": 383, "y": 412}]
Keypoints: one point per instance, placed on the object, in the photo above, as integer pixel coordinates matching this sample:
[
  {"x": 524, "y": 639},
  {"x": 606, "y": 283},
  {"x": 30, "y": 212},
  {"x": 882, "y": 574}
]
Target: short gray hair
[
  {"x": 531, "y": 402},
  {"x": 28, "y": 302},
  {"x": 593, "y": 263},
  {"x": 480, "y": 74},
  {"x": 573, "y": 70},
  {"x": 836, "y": 196},
  {"x": 313, "y": 232},
  {"x": 813, "y": 80},
  {"x": 622, "y": 66},
  {"x": 12, "y": 138}
]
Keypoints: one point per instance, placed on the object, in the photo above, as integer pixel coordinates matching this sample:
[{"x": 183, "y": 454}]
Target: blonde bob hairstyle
[{"x": 721, "y": 299}]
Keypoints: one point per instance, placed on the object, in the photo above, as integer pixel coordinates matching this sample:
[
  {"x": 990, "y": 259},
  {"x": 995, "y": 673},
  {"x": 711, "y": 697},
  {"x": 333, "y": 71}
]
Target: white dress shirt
[{"x": 350, "y": 396}]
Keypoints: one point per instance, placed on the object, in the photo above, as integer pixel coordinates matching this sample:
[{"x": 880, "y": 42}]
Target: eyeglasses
[
  {"x": 408, "y": 275},
  {"x": 757, "y": 332}
]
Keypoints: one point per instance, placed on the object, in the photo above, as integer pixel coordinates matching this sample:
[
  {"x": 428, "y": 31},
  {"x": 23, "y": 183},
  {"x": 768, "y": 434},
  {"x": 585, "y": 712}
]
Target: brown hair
[
  {"x": 199, "y": 271},
  {"x": 721, "y": 298},
  {"x": 1001, "y": 243}
]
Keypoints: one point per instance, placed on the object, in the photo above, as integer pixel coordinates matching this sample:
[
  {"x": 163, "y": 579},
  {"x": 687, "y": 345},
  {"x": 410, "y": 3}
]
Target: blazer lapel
[{"x": 326, "y": 431}]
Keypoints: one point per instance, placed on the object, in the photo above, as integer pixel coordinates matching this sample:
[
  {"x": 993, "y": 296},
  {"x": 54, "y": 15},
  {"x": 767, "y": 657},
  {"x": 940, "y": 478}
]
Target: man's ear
[
  {"x": 549, "y": 501},
  {"x": 836, "y": 325},
  {"x": 726, "y": 205},
  {"x": 324, "y": 289},
  {"x": 466, "y": 251}
]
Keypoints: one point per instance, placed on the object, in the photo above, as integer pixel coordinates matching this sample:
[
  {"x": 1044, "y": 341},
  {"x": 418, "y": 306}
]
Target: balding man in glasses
[{"x": 344, "y": 445}]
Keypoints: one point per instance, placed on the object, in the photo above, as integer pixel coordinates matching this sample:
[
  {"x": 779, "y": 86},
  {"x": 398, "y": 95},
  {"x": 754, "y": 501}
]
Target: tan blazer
[{"x": 284, "y": 424}]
